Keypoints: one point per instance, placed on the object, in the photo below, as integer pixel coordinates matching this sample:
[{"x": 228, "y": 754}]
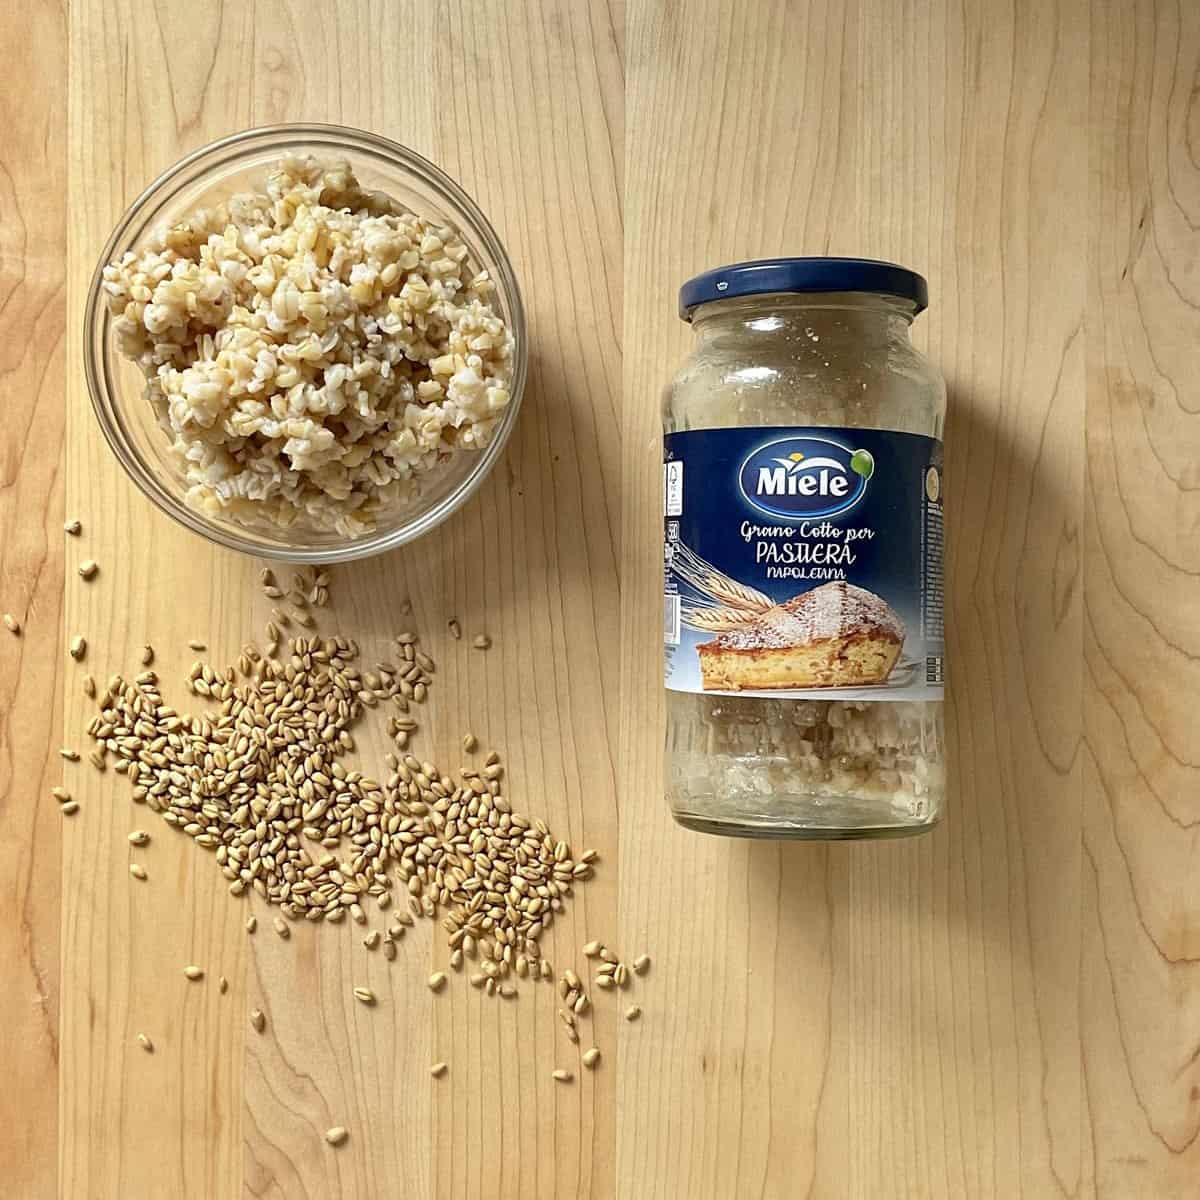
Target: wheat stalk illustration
[
  {"x": 715, "y": 620},
  {"x": 733, "y": 604}
]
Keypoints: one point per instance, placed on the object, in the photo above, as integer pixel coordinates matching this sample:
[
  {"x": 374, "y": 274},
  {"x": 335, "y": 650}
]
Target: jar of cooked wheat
[{"x": 803, "y": 500}]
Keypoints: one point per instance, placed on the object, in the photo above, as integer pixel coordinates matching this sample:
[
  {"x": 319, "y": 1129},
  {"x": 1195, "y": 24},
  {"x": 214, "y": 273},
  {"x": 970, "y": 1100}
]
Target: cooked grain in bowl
[{"x": 312, "y": 350}]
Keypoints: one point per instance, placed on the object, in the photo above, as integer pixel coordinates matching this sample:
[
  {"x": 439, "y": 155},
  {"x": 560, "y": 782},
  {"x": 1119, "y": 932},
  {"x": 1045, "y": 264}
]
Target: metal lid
[{"x": 803, "y": 275}]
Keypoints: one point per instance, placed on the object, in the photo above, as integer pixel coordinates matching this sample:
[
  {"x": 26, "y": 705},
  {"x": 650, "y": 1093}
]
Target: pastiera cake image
[{"x": 836, "y": 635}]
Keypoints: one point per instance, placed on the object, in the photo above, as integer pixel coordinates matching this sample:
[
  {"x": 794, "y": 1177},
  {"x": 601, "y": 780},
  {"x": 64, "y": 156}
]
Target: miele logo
[{"x": 805, "y": 477}]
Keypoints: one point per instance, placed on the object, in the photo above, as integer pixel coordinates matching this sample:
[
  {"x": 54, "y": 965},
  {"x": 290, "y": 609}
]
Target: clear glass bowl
[{"x": 213, "y": 174}]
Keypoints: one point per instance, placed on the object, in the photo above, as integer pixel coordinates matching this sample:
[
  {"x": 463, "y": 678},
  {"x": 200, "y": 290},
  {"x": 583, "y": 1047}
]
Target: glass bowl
[{"x": 240, "y": 163}]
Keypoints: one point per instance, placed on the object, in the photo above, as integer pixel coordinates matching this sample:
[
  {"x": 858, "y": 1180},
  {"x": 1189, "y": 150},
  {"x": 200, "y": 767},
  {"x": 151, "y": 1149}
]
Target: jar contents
[{"x": 803, "y": 528}]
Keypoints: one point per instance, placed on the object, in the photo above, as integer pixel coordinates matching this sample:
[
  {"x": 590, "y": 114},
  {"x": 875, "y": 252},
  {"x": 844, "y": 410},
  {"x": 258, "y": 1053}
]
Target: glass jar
[{"x": 803, "y": 555}]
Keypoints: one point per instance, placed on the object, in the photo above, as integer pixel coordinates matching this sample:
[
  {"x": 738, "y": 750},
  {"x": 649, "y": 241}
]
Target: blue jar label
[{"x": 804, "y": 562}]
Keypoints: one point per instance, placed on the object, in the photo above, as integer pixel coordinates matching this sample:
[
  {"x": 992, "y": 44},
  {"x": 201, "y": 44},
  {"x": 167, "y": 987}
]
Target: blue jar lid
[{"x": 803, "y": 275}]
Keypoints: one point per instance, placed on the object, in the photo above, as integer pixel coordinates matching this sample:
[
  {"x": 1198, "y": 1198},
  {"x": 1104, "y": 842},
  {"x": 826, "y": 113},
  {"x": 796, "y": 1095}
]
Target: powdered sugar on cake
[{"x": 833, "y": 610}]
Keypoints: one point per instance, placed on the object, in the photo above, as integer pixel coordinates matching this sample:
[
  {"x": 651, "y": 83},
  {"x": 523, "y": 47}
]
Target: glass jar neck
[{"x": 834, "y": 315}]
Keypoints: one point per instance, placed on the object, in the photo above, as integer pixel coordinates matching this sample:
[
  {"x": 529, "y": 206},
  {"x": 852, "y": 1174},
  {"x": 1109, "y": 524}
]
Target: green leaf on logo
[{"x": 861, "y": 463}]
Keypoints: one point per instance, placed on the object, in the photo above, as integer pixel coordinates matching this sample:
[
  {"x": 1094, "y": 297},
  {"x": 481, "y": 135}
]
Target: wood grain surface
[
  {"x": 522, "y": 105},
  {"x": 1007, "y": 1007},
  {"x": 884, "y": 1020},
  {"x": 33, "y": 213}
]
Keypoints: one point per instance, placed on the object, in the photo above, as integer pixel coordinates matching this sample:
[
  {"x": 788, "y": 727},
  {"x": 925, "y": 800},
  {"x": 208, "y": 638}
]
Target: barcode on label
[{"x": 671, "y": 620}]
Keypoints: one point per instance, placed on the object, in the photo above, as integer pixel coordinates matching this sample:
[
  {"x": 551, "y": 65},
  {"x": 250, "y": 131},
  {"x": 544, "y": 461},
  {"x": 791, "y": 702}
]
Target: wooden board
[
  {"x": 32, "y": 352},
  {"x": 496, "y": 96},
  {"x": 1008, "y": 1007},
  {"x": 883, "y": 1020},
  {"x": 1140, "y": 958}
]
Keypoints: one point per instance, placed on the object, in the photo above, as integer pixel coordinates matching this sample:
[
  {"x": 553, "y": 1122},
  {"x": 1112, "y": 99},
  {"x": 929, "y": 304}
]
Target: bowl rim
[{"x": 133, "y": 223}]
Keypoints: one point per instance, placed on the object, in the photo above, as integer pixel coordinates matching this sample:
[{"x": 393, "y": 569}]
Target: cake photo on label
[{"x": 835, "y": 635}]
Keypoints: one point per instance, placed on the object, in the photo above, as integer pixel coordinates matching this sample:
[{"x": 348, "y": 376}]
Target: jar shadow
[{"x": 999, "y": 880}]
